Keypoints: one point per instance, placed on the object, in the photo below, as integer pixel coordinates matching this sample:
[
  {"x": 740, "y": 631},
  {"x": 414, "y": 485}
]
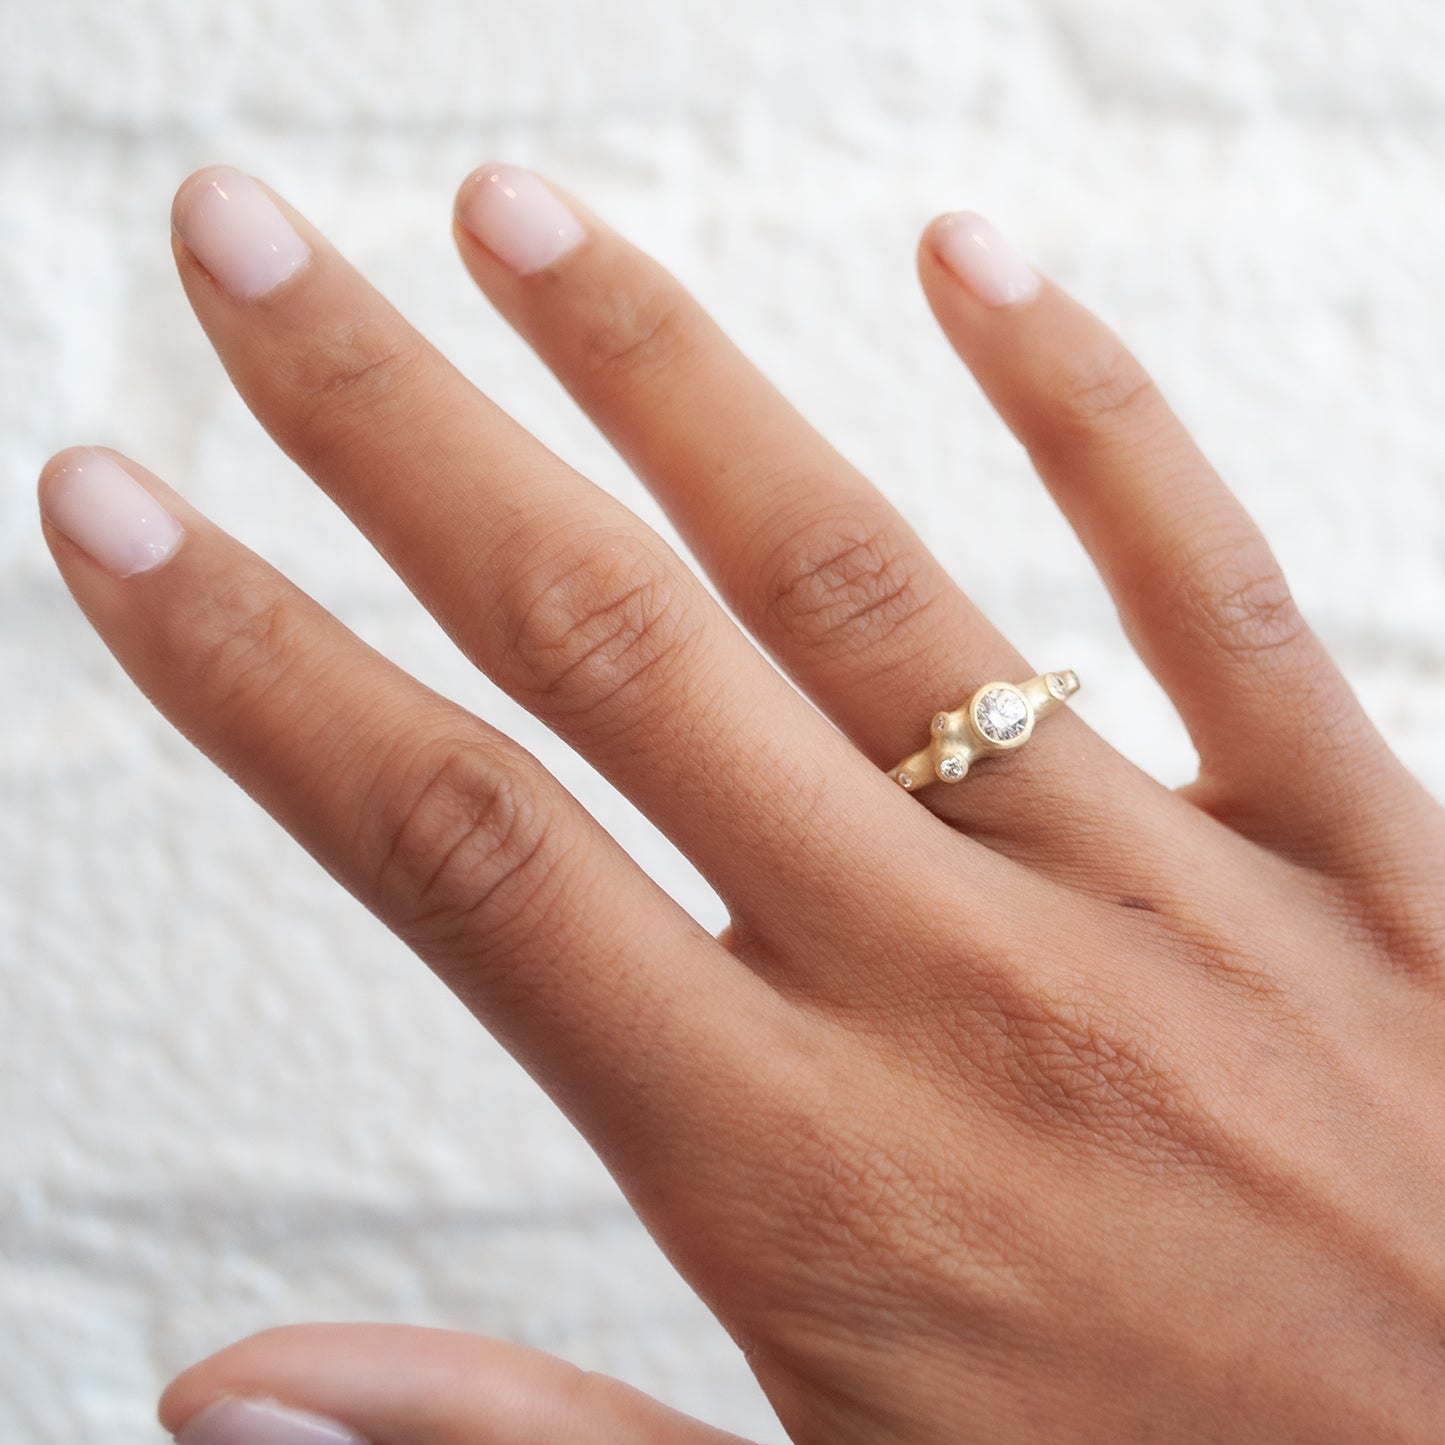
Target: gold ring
[{"x": 999, "y": 717}]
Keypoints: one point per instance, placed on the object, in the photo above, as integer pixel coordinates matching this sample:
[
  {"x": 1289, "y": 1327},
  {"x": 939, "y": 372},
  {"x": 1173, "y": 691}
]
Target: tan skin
[{"x": 1054, "y": 1106}]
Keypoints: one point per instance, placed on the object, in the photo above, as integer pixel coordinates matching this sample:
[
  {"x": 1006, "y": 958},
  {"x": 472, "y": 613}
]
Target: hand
[{"x": 1053, "y": 1106}]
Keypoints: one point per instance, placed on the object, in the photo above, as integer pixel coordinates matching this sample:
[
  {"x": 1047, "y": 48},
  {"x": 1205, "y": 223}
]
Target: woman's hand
[{"x": 1054, "y": 1106}]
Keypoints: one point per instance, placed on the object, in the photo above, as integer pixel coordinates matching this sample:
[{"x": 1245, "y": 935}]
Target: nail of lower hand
[
  {"x": 234, "y": 1421},
  {"x": 107, "y": 513},
  {"x": 517, "y": 218},
  {"x": 974, "y": 249},
  {"x": 237, "y": 232}
]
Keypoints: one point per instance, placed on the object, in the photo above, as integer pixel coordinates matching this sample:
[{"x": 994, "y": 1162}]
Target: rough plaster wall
[{"x": 229, "y": 1098}]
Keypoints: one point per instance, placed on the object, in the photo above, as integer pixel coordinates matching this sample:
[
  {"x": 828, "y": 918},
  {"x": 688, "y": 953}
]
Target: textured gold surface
[{"x": 956, "y": 741}]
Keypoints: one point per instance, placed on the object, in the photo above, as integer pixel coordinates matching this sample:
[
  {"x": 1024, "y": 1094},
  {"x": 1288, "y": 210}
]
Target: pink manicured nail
[
  {"x": 107, "y": 513},
  {"x": 232, "y": 227},
  {"x": 513, "y": 214},
  {"x": 975, "y": 251},
  {"x": 234, "y": 1421}
]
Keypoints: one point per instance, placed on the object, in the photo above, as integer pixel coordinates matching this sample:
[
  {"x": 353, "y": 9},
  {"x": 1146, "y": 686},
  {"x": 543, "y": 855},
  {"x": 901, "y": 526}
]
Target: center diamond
[{"x": 1001, "y": 714}]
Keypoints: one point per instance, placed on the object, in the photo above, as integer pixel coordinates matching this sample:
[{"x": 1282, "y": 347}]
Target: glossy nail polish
[
  {"x": 232, "y": 1420},
  {"x": 514, "y": 215},
  {"x": 108, "y": 514},
  {"x": 977, "y": 253},
  {"x": 237, "y": 232}
]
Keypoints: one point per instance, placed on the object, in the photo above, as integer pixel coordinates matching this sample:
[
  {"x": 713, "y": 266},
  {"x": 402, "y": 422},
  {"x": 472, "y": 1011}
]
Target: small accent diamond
[
  {"x": 940, "y": 722},
  {"x": 1001, "y": 714},
  {"x": 904, "y": 781},
  {"x": 1057, "y": 686},
  {"x": 951, "y": 769}
]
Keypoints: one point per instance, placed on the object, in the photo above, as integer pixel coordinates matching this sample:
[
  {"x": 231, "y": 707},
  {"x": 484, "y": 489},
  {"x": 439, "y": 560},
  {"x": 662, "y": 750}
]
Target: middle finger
[
  {"x": 819, "y": 566},
  {"x": 554, "y": 589}
]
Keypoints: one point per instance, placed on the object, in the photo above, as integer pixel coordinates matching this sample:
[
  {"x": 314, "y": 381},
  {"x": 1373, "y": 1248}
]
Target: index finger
[{"x": 636, "y": 1021}]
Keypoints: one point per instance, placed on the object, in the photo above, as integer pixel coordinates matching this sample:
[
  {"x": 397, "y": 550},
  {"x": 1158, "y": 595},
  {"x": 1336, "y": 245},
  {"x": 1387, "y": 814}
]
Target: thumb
[{"x": 403, "y": 1385}]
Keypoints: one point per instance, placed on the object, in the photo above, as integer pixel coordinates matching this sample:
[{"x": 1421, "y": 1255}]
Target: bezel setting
[{"x": 1001, "y": 715}]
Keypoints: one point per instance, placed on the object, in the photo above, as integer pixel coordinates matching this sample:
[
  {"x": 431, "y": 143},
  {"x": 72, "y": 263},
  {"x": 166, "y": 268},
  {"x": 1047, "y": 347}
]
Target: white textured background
[{"x": 227, "y": 1098}]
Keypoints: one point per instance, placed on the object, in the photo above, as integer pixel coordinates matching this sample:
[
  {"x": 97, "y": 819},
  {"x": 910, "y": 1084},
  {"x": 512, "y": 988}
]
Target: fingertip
[
  {"x": 231, "y": 225},
  {"x": 178, "y": 1402},
  {"x": 928, "y": 239},
  {"x": 189, "y": 190},
  {"x": 406, "y": 1382},
  {"x": 236, "y": 1369},
  {"x": 59, "y": 461},
  {"x": 96, "y": 499},
  {"x": 477, "y": 176},
  {"x": 974, "y": 252},
  {"x": 517, "y": 217}
]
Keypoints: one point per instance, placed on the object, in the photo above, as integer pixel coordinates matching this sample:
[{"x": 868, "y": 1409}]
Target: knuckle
[
  {"x": 838, "y": 583},
  {"x": 347, "y": 371},
  {"x": 1238, "y": 600},
  {"x": 251, "y": 633},
  {"x": 604, "y": 617},
  {"x": 464, "y": 852},
  {"x": 1096, "y": 388},
  {"x": 636, "y": 331}
]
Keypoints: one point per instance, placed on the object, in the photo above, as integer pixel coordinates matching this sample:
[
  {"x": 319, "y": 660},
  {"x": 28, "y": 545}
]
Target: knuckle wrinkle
[
  {"x": 602, "y": 618},
  {"x": 637, "y": 333},
  {"x": 839, "y": 584},
  {"x": 464, "y": 852}
]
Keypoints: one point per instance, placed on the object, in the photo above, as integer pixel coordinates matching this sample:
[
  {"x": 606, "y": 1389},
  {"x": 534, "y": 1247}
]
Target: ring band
[{"x": 999, "y": 717}]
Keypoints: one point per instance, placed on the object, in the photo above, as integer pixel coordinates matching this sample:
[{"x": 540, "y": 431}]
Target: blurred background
[{"x": 228, "y": 1099}]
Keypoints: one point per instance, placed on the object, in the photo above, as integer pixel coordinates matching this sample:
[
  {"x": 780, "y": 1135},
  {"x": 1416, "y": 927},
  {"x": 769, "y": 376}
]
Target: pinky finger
[
  {"x": 1287, "y": 755},
  {"x": 406, "y": 1385}
]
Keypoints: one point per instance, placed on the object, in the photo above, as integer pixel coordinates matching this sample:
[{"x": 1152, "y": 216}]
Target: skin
[{"x": 1055, "y": 1106}]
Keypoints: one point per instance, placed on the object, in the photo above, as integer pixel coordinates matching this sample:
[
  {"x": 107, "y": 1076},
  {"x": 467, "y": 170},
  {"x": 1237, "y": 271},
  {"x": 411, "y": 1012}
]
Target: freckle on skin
[{"x": 1143, "y": 903}]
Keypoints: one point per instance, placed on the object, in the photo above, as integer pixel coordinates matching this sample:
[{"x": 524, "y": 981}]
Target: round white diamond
[
  {"x": 1056, "y": 686},
  {"x": 951, "y": 769},
  {"x": 1001, "y": 714},
  {"x": 904, "y": 781},
  {"x": 940, "y": 722}
]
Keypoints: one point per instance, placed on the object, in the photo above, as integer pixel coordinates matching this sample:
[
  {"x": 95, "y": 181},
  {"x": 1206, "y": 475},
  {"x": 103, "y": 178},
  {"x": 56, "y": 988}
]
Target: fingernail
[
  {"x": 976, "y": 252},
  {"x": 233, "y": 228},
  {"x": 513, "y": 214},
  {"x": 107, "y": 513},
  {"x": 234, "y": 1421}
]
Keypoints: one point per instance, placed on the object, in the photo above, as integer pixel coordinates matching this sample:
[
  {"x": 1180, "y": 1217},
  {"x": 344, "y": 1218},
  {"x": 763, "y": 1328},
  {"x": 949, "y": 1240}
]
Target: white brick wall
[{"x": 227, "y": 1098}]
